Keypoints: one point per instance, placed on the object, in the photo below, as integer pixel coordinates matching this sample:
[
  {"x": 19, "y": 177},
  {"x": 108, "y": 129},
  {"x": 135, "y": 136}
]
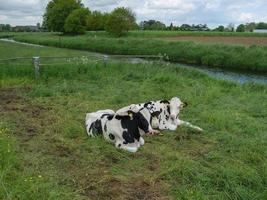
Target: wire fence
[{"x": 41, "y": 61}]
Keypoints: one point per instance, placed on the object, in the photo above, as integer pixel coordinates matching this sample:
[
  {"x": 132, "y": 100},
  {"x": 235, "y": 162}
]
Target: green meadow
[
  {"x": 236, "y": 57},
  {"x": 46, "y": 154}
]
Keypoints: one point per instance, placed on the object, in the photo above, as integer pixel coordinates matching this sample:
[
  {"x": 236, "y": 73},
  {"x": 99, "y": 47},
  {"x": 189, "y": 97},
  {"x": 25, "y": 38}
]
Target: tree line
[{"x": 72, "y": 17}]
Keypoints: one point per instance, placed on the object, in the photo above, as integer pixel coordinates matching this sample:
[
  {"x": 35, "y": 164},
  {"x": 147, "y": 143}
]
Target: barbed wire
[{"x": 88, "y": 56}]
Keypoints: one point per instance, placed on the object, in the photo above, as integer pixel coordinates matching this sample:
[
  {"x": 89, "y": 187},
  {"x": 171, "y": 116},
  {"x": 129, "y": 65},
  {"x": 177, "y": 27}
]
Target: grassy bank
[
  {"x": 45, "y": 153},
  {"x": 193, "y": 33},
  {"x": 252, "y": 58},
  {"x": 156, "y": 34}
]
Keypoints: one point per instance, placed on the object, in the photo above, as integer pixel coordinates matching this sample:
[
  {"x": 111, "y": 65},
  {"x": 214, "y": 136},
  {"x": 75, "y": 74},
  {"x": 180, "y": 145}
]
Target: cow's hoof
[
  {"x": 154, "y": 132},
  {"x": 200, "y": 129},
  {"x": 131, "y": 149},
  {"x": 142, "y": 141}
]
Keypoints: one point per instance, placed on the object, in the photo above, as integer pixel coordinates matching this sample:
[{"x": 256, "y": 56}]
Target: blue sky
[{"x": 211, "y": 12}]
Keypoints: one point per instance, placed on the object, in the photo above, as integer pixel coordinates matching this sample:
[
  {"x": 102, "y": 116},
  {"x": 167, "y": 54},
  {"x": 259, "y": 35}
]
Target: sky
[{"x": 211, "y": 12}]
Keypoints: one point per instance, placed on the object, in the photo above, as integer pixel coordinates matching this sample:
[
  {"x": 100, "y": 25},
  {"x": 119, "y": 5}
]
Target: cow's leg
[{"x": 188, "y": 124}]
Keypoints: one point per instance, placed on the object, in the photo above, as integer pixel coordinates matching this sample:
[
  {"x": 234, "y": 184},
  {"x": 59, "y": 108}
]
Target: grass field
[
  {"x": 253, "y": 58},
  {"x": 193, "y": 33},
  {"x": 156, "y": 34},
  {"x": 247, "y": 41},
  {"x": 45, "y": 153}
]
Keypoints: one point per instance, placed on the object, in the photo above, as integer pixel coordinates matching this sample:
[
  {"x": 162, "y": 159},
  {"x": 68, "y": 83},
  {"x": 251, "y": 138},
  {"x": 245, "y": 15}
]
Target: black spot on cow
[
  {"x": 165, "y": 101},
  {"x": 147, "y": 104},
  {"x": 156, "y": 113},
  {"x": 131, "y": 124},
  {"x": 96, "y": 127},
  {"x": 128, "y": 137},
  {"x": 119, "y": 117},
  {"x": 169, "y": 109},
  {"x": 109, "y": 116},
  {"x": 111, "y": 136}
]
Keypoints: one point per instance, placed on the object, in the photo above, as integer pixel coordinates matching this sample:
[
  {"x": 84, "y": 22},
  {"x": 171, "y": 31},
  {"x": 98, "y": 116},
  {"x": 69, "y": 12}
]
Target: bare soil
[{"x": 248, "y": 41}]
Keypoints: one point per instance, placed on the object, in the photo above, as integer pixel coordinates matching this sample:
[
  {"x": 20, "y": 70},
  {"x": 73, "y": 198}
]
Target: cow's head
[{"x": 175, "y": 106}]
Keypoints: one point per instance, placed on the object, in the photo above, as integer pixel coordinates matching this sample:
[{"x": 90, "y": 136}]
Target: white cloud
[
  {"x": 99, "y": 3},
  {"x": 212, "y": 4},
  {"x": 245, "y": 17},
  {"x": 18, "y": 12},
  {"x": 3, "y": 17},
  {"x": 184, "y": 6}
]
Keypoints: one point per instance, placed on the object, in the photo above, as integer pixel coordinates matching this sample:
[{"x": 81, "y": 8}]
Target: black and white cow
[
  {"x": 125, "y": 128},
  {"x": 164, "y": 113}
]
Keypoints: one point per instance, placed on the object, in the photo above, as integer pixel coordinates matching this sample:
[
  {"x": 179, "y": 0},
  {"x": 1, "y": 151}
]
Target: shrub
[
  {"x": 56, "y": 13},
  {"x": 120, "y": 21},
  {"x": 77, "y": 21}
]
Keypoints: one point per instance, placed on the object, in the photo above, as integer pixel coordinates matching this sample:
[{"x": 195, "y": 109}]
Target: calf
[
  {"x": 124, "y": 129},
  {"x": 164, "y": 113}
]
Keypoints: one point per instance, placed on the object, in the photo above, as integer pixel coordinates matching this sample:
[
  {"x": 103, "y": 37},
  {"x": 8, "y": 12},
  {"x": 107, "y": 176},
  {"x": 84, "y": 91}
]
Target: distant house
[
  {"x": 25, "y": 28},
  {"x": 260, "y": 31}
]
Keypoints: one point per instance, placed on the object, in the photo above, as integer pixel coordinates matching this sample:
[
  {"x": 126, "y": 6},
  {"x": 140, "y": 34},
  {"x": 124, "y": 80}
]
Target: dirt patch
[
  {"x": 112, "y": 188},
  {"x": 22, "y": 113},
  {"x": 63, "y": 151},
  {"x": 146, "y": 191},
  {"x": 248, "y": 41},
  {"x": 98, "y": 183}
]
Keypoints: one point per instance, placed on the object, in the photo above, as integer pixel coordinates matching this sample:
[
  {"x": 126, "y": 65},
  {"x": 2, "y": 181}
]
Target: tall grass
[
  {"x": 252, "y": 58},
  {"x": 193, "y": 33}
]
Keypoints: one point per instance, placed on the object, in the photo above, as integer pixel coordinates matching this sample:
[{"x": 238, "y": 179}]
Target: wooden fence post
[
  {"x": 105, "y": 59},
  {"x": 36, "y": 63}
]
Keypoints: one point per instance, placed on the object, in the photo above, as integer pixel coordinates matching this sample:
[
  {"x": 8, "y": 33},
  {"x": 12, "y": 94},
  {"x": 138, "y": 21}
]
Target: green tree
[
  {"x": 250, "y": 26},
  {"x": 57, "y": 12},
  {"x": 219, "y": 28},
  {"x": 120, "y": 21},
  {"x": 152, "y": 25},
  {"x": 5, "y": 28},
  {"x": 76, "y": 22},
  {"x": 240, "y": 28},
  {"x": 261, "y": 25},
  {"x": 97, "y": 21}
]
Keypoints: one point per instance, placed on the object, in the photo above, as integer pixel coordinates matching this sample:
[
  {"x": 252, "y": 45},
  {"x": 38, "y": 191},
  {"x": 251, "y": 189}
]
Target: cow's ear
[{"x": 130, "y": 114}]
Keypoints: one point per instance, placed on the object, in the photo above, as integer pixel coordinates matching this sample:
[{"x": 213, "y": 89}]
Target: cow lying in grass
[
  {"x": 164, "y": 113},
  {"x": 126, "y": 127}
]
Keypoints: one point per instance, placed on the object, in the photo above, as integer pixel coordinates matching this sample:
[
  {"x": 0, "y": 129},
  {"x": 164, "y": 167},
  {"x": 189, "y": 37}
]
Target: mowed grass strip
[
  {"x": 46, "y": 154},
  {"x": 237, "y": 57}
]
